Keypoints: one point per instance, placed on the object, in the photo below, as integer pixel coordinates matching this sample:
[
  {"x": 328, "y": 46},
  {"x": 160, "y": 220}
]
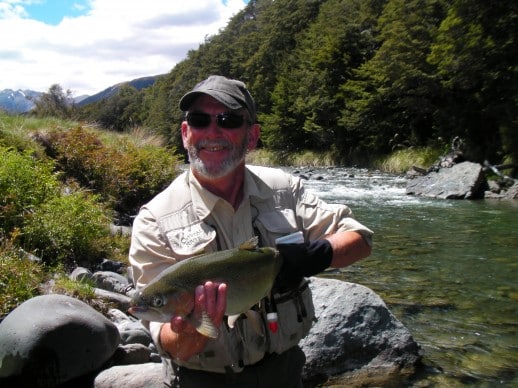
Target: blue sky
[
  {"x": 52, "y": 12},
  {"x": 88, "y": 45}
]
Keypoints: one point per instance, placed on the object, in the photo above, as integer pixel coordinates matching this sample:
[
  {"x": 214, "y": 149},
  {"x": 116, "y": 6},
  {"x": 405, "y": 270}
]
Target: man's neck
[{"x": 229, "y": 187}]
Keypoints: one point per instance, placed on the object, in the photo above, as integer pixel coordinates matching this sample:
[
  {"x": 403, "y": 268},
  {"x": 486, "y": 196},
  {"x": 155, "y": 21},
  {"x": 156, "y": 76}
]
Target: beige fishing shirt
[{"x": 185, "y": 220}]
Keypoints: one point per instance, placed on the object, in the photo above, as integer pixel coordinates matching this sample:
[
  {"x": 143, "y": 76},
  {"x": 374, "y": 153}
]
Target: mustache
[{"x": 205, "y": 143}]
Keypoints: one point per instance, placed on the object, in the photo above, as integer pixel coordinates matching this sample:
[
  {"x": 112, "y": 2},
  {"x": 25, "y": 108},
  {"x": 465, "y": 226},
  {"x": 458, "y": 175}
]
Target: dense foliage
[
  {"x": 125, "y": 176},
  {"x": 61, "y": 186},
  {"x": 357, "y": 77}
]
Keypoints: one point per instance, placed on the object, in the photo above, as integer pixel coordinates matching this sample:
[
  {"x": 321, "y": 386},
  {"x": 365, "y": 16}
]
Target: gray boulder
[
  {"x": 121, "y": 301},
  {"x": 355, "y": 332},
  {"x": 52, "y": 339},
  {"x": 149, "y": 375},
  {"x": 465, "y": 180},
  {"x": 111, "y": 281},
  {"x": 132, "y": 354},
  {"x": 131, "y": 330}
]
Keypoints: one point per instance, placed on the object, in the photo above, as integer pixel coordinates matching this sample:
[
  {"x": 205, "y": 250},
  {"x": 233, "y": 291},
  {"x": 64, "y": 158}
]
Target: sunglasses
[{"x": 224, "y": 120}]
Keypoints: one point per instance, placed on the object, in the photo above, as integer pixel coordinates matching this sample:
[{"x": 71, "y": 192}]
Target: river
[{"x": 446, "y": 268}]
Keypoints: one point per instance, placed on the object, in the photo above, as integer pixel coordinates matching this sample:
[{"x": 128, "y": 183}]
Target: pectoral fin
[{"x": 205, "y": 326}]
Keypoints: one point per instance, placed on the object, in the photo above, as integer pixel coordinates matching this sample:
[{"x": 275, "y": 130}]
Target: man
[{"x": 219, "y": 204}]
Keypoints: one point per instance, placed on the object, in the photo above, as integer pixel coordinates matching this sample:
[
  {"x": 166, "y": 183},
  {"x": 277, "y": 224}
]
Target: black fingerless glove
[{"x": 306, "y": 259}]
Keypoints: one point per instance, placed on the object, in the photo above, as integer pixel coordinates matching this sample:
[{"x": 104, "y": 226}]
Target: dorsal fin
[{"x": 250, "y": 244}]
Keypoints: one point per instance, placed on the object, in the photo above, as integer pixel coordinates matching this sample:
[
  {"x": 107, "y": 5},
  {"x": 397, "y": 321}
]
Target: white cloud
[{"x": 117, "y": 40}]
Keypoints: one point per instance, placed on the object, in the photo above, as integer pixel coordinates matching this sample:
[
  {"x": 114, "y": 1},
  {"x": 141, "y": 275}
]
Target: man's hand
[
  {"x": 179, "y": 338},
  {"x": 209, "y": 297}
]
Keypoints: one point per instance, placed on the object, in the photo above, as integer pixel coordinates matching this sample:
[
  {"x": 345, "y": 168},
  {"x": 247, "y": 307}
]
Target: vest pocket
[
  {"x": 274, "y": 224},
  {"x": 296, "y": 314}
]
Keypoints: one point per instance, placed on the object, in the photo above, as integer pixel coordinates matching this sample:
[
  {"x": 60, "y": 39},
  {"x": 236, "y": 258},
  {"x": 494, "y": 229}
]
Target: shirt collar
[{"x": 204, "y": 201}]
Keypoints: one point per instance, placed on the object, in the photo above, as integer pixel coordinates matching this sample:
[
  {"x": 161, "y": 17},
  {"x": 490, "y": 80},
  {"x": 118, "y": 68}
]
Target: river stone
[
  {"x": 355, "y": 331},
  {"x": 51, "y": 339},
  {"x": 465, "y": 180},
  {"x": 111, "y": 281},
  {"x": 149, "y": 375},
  {"x": 131, "y": 330}
]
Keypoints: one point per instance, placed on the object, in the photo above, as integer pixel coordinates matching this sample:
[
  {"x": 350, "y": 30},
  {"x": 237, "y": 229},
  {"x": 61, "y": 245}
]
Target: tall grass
[
  {"x": 19, "y": 277},
  {"x": 403, "y": 160},
  {"x": 398, "y": 162},
  {"x": 263, "y": 157}
]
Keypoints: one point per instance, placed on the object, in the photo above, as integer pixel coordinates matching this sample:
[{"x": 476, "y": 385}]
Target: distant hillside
[
  {"x": 139, "y": 83},
  {"x": 18, "y": 101},
  {"x": 22, "y": 101}
]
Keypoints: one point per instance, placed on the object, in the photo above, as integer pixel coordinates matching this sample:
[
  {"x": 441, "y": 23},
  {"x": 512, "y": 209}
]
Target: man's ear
[{"x": 183, "y": 129}]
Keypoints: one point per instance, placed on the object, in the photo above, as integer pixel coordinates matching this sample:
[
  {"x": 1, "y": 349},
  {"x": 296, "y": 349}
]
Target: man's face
[{"x": 214, "y": 152}]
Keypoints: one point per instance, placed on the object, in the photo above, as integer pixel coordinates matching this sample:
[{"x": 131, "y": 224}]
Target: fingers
[
  {"x": 210, "y": 297},
  {"x": 215, "y": 300},
  {"x": 221, "y": 303},
  {"x": 178, "y": 324},
  {"x": 211, "y": 294}
]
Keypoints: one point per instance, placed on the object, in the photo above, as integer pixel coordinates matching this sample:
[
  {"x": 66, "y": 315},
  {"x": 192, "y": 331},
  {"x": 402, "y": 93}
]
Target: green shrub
[
  {"x": 69, "y": 229},
  {"x": 19, "y": 278},
  {"x": 124, "y": 174},
  {"x": 148, "y": 170},
  {"x": 25, "y": 183}
]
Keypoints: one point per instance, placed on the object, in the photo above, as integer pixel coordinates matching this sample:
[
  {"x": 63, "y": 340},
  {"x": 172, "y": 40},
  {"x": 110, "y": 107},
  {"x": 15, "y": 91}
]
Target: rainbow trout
[{"x": 248, "y": 271}]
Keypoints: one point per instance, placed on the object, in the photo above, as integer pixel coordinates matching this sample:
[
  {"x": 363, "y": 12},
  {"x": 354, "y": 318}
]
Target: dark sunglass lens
[
  {"x": 229, "y": 120},
  {"x": 198, "y": 120}
]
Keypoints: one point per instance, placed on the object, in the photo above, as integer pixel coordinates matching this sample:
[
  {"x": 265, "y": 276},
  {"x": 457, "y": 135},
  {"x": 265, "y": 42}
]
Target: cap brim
[{"x": 227, "y": 100}]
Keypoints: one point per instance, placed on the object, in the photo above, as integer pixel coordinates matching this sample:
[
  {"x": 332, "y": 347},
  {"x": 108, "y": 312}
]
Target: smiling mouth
[{"x": 214, "y": 149}]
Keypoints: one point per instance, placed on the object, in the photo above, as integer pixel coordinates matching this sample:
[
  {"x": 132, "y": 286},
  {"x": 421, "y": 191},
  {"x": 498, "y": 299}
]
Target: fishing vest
[{"x": 250, "y": 339}]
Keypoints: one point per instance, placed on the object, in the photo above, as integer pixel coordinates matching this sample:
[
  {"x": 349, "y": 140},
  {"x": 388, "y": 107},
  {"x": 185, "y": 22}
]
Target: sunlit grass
[
  {"x": 403, "y": 160},
  {"x": 263, "y": 157},
  {"x": 19, "y": 277}
]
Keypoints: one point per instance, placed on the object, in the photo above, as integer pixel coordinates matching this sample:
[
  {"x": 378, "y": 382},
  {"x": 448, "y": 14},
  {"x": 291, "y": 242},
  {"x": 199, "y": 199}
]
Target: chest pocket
[
  {"x": 191, "y": 239},
  {"x": 274, "y": 224}
]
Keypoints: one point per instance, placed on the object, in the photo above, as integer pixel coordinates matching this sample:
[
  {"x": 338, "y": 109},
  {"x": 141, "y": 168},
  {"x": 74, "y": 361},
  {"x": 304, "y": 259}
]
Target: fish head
[{"x": 150, "y": 304}]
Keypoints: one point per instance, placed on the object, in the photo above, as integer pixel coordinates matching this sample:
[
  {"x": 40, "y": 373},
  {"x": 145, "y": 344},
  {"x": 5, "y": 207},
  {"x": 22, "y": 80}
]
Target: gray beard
[{"x": 214, "y": 171}]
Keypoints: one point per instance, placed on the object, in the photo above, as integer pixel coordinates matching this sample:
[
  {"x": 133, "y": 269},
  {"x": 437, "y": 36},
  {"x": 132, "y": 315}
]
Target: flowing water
[{"x": 446, "y": 268}]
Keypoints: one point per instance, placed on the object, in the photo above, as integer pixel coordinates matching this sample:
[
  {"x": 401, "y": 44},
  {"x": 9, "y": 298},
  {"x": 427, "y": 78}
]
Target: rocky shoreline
[{"x": 58, "y": 341}]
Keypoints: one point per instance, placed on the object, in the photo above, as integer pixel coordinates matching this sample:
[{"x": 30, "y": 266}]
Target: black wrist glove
[{"x": 306, "y": 259}]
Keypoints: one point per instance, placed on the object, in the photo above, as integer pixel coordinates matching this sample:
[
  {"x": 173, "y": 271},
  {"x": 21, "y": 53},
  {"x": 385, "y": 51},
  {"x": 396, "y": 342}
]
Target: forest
[{"x": 357, "y": 78}]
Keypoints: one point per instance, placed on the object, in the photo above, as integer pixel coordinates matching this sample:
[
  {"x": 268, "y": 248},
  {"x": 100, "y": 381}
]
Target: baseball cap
[{"x": 230, "y": 92}]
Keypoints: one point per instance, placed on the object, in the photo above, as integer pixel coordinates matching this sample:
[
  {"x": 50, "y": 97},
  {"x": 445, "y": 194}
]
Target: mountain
[
  {"x": 138, "y": 83},
  {"x": 18, "y": 101},
  {"x": 22, "y": 101}
]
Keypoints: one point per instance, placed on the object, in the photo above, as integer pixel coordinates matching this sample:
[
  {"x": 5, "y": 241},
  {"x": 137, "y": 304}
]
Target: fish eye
[{"x": 158, "y": 301}]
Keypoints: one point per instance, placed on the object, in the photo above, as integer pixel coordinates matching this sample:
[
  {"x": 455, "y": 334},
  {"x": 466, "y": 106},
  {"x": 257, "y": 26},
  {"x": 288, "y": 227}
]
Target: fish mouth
[
  {"x": 149, "y": 314},
  {"x": 137, "y": 310}
]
